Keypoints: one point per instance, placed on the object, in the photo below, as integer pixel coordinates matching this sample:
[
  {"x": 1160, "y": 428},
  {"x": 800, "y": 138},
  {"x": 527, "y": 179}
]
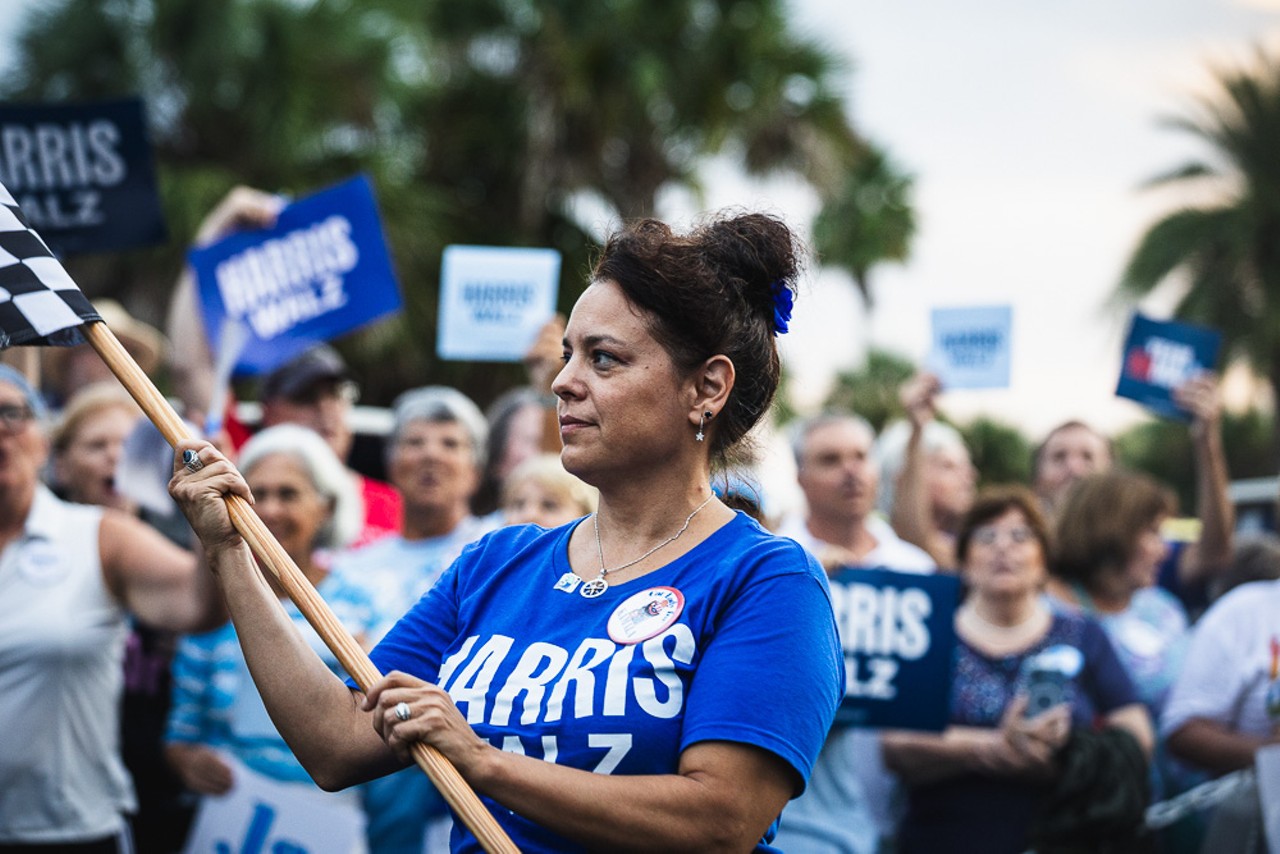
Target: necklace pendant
[{"x": 593, "y": 588}]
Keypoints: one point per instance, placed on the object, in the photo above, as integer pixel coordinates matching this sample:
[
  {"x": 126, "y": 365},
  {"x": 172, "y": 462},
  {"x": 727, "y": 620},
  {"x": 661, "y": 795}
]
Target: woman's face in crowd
[
  {"x": 1070, "y": 454},
  {"x": 288, "y": 503},
  {"x": 524, "y": 439},
  {"x": 1149, "y": 552},
  {"x": 1005, "y": 558},
  {"x": 23, "y": 447},
  {"x": 433, "y": 464},
  {"x": 531, "y": 503},
  {"x": 86, "y": 468},
  {"x": 623, "y": 405}
]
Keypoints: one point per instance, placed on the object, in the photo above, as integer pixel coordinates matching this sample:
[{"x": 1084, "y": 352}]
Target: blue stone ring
[{"x": 191, "y": 461}]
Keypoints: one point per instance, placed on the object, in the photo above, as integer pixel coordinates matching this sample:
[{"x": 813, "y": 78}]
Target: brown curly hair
[{"x": 711, "y": 292}]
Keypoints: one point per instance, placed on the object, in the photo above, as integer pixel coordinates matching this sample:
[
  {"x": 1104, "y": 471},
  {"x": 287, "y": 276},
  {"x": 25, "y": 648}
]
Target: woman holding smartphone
[{"x": 977, "y": 785}]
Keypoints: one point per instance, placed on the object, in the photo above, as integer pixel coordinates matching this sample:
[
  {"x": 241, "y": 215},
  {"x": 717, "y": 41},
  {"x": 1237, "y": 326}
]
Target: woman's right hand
[
  {"x": 242, "y": 208},
  {"x": 200, "y": 494},
  {"x": 919, "y": 398},
  {"x": 201, "y": 769},
  {"x": 1025, "y": 746}
]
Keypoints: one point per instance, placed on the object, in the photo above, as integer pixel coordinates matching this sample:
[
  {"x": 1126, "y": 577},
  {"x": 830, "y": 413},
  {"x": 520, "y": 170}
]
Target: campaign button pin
[
  {"x": 568, "y": 583},
  {"x": 41, "y": 566},
  {"x": 646, "y": 614}
]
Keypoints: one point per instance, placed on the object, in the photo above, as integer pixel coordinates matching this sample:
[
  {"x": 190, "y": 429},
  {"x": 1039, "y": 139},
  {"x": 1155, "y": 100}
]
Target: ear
[{"x": 711, "y": 385}]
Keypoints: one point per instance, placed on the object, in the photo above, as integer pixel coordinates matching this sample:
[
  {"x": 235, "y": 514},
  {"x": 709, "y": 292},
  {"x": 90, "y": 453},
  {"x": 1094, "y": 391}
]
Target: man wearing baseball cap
[{"x": 316, "y": 390}]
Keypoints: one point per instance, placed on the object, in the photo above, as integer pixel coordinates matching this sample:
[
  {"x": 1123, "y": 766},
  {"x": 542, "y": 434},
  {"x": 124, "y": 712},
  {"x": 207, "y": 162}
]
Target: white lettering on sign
[
  {"x": 1171, "y": 362},
  {"x": 882, "y": 620},
  {"x": 48, "y": 156},
  {"x": 879, "y": 627},
  {"x": 287, "y": 280}
]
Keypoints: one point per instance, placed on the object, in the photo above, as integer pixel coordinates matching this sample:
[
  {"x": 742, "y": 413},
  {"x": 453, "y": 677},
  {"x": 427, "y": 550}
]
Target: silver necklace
[{"x": 599, "y": 584}]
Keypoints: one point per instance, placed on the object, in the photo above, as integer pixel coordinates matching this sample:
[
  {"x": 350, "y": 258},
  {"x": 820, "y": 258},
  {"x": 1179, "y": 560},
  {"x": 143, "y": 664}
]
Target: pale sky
[{"x": 1029, "y": 128}]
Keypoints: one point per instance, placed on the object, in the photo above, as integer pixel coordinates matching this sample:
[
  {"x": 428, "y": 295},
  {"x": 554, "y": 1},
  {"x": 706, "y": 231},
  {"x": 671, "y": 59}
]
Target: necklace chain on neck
[{"x": 599, "y": 584}]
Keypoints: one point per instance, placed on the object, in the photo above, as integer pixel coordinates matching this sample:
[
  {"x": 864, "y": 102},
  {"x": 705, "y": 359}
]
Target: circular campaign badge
[
  {"x": 646, "y": 614},
  {"x": 40, "y": 565}
]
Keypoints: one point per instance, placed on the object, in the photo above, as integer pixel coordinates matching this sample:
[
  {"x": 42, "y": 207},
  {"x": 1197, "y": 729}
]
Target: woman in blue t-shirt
[
  {"x": 660, "y": 674},
  {"x": 1025, "y": 676}
]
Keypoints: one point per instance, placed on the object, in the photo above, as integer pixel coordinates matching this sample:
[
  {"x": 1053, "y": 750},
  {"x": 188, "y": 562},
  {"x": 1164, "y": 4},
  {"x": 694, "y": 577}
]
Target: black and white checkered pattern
[{"x": 39, "y": 304}]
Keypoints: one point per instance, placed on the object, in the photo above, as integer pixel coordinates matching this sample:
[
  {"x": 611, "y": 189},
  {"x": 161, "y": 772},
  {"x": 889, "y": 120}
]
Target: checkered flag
[{"x": 39, "y": 304}]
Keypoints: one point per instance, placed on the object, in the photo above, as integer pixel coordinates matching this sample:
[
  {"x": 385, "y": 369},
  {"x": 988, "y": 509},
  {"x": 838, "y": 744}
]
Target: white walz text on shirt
[{"x": 549, "y": 683}]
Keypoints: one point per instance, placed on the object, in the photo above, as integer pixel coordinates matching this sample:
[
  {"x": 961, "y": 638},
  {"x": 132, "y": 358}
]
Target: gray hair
[
  {"x": 801, "y": 429},
  {"x": 891, "y": 452},
  {"x": 440, "y": 404},
  {"x": 327, "y": 474}
]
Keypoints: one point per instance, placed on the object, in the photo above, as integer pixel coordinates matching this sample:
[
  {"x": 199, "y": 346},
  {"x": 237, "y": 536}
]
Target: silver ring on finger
[
  {"x": 402, "y": 711},
  {"x": 191, "y": 461}
]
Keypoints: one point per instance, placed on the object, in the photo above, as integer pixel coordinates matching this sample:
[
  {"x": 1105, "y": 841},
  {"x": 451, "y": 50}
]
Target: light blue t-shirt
[
  {"x": 215, "y": 702},
  {"x": 1150, "y": 636},
  {"x": 396, "y": 571},
  {"x": 534, "y": 669}
]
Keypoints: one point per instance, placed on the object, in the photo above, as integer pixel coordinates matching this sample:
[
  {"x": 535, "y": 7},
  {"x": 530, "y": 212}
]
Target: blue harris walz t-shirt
[{"x": 753, "y": 657}]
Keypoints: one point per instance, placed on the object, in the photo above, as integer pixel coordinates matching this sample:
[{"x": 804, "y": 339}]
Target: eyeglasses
[
  {"x": 14, "y": 416},
  {"x": 990, "y": 535}
]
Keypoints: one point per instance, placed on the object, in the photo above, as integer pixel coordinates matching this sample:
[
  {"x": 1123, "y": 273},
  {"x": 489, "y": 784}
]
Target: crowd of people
[{"x": 581, "y": 600}]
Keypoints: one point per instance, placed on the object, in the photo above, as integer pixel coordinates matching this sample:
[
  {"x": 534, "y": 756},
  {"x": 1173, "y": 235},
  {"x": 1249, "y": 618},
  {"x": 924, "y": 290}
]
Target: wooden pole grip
[{"x": 275, "y": 559}]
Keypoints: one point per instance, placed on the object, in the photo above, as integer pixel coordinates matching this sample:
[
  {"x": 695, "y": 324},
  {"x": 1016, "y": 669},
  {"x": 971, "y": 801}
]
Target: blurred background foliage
[
  {"x": 491, "y": 122},
  {"x": 536, "y": 123}
]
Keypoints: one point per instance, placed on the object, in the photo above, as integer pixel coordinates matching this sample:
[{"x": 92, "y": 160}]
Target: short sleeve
[
  {"x": 1212, "y": 679},
  {"x": 416, "y": 643},
  {"x": 773, "y": 675},
  {"x": 1108, "y": 682}
]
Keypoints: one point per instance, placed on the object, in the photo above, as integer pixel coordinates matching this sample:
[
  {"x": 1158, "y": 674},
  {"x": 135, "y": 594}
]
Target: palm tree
[
  {"x": 1227, "y": 250},
  {"x": 865, "y": 220}
]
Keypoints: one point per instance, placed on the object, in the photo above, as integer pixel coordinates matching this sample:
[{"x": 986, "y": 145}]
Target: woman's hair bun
[{"x": 757, "y": 255}]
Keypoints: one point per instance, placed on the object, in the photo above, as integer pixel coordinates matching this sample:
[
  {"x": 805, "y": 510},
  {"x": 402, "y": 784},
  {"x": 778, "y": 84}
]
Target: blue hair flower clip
[{"x": 783, "y": 300}]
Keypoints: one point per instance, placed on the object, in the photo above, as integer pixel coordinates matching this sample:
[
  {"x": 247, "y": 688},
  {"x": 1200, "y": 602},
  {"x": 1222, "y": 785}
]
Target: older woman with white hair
[{"x": 306, "y": 499}]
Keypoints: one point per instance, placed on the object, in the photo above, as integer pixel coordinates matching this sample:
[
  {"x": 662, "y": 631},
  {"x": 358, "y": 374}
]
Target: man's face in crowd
[
  {"x": 323, "y": 406},
  {"x": 837, "y": 473},
  {"x": 1070, "y": 454}
]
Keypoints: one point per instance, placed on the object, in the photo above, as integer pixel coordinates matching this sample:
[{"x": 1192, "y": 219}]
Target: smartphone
[{"x": 1045, "y": 688}]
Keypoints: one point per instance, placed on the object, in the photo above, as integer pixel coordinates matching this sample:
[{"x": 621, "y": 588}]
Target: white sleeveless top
[{"x": 62, "y": 638}]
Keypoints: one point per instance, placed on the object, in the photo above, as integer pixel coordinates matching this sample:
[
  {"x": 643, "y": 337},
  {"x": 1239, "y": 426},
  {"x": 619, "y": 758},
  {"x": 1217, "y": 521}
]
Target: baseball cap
[{"x": 292, "y": 379}]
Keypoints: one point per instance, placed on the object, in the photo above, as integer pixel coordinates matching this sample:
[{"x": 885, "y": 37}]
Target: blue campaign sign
[
  {"x": 82, "y": 174},
  {"x": 322, "y": 271},
  {"x": 1161, "y": 355},
  {"x": 972, "y": 346},
  {"x": 899, "y": 638}
]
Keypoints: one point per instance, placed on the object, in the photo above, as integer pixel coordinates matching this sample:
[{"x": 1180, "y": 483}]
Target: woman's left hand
[
  {"x": 1052, "y": 726},
  {"x": 1032, "y": 743},
  {"x": 432, "y": 719}
]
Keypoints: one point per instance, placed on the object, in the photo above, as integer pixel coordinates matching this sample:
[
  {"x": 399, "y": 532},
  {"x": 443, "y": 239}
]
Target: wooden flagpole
[{"x": 272, "y": 555}]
